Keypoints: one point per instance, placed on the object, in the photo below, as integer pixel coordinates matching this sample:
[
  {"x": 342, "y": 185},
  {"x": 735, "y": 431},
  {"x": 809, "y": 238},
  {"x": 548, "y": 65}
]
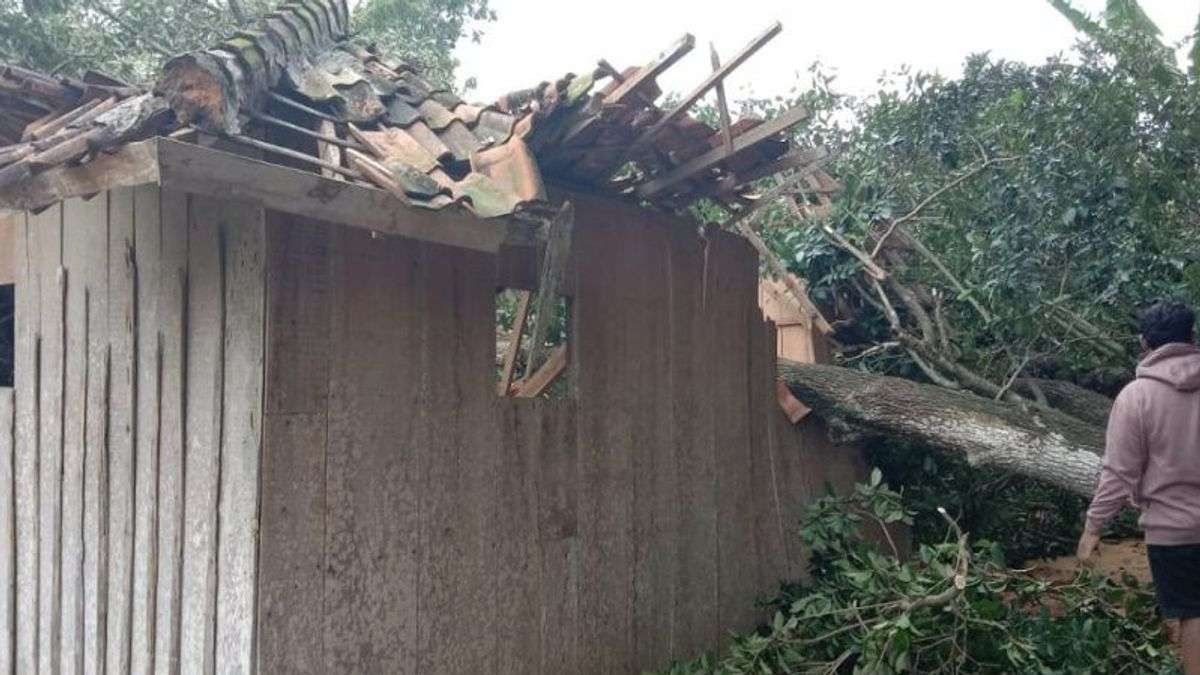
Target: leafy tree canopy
[
  {"x": 1049, "y": 200},
  {"x": 131, "y": 38}
]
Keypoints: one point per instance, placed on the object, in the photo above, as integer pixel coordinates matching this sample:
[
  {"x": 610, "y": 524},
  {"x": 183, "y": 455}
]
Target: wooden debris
[
  {"x": 535, "y": 385},
  {"x": 688, "y": 169},
  {"x": 711, "y": 81},
  {"x": 633, "y": 85},
  {"x": 521, "y": 318},
  {"x": 722, "y": 105},
  {"x": 558, "y": 248},
  {"x": 377, "y": 174}
]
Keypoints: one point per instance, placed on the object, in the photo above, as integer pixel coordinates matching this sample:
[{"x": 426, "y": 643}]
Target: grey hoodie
[{"x": 1152, "y": 451}]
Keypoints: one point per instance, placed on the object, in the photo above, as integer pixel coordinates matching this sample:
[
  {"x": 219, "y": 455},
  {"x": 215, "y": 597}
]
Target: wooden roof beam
[
  {"x": 652, "y": 70},
  {"x": 633, "y": 85},
  {"x": 722, "y": 105},
  {"x": 716, "y": 78},
  {"x": 683, "y": 172}
]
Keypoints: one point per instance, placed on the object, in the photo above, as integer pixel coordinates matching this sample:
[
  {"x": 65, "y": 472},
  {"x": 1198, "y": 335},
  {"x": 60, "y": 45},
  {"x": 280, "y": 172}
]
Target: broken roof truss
[{"x": 297, "y": 91}]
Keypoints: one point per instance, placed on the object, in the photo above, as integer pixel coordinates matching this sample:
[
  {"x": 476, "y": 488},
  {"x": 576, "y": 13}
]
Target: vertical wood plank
[
  {"x": 95, "y": 419},
  {"x": 558, "y": 537},
  {"x": 605, "y": 473},
  {"x": 204, "y": 395},
  {"x": 86, "y": 261},
  {"x": 789, "y": 565},
  {"x": 768, "y": 532},
  {"x": 654, "y": 469},
  {"x": 8, "y": 527},
  {"x": 172, "y": 335},
  {"x": 122, "y": 411},
  {"x": 518, "y": 563},
  {"x": 292, "y": 545},
  {"x": 372, "y": 541},
  {"x": 732, "y": 296},
  {"x": 27, "y": 398},
  {"x": 458, "y": 461},
  {"x": 693, "y": 443},
  {"x": 53, "y": 281},
  {"x": 147, "y": 255},
  {"x": 241, "y": 440}
]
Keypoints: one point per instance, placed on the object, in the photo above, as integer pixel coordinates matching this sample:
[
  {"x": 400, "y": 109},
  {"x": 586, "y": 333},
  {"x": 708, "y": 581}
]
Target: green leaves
[
  {"x": 128, "y": 38},
  {"x": 866, "y": 612}
]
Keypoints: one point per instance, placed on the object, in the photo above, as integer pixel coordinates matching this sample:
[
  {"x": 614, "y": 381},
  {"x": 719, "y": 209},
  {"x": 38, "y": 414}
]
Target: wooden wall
[
  {"x": 9, "y": 223},
  {"x": 138, "y": 398},
  {"x": 414, "y": 522},
  {"x": 365, "y": 502}
]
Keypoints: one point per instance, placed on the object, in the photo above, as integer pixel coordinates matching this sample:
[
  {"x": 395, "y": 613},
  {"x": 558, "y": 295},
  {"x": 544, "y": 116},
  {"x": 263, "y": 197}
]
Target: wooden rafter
[
  {"x": 633, "y": 85},
  {"x": 704, "y": 87},
  {"x": 329, "y": 151},
  {"x": 722, "y": 105},
  {"x": 706, "y": 161}
]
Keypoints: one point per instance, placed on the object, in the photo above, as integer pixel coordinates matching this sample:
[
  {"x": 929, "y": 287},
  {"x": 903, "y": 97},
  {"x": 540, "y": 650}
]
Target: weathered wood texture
[
  {"x": 247, "y": 441},
  {"x": 8, "y": 528},
  {"x": 415, "y": 522},
  {"x": 93, "y": 485},
  {"x": 10, "y": 226}
]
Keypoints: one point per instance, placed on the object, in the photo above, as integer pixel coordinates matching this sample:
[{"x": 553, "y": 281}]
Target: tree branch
[
  {"x": 930, "y": 199},
  {"x": 133, "y": 32}
]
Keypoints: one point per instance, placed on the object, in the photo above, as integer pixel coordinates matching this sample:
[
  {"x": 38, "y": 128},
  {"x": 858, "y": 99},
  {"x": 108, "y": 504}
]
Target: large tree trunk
[{"x": 1042, "y": 444}]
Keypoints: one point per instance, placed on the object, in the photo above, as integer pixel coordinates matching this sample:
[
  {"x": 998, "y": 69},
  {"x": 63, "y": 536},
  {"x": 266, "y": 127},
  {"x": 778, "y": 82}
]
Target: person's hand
[{"x": 1087, "y": 545}]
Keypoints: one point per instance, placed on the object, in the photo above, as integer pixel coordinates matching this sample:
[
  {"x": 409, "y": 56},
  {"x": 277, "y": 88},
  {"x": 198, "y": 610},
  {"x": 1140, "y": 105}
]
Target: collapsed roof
[{"x": 297, "y": 89}]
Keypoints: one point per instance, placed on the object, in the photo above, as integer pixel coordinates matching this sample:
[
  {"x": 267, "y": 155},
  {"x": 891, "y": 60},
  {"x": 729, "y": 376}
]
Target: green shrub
[{"x": 954, "y": 607}]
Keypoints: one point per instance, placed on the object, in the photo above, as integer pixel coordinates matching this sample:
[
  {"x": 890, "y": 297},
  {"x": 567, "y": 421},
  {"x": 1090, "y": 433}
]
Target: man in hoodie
[{"x": 1152, "y": 460}]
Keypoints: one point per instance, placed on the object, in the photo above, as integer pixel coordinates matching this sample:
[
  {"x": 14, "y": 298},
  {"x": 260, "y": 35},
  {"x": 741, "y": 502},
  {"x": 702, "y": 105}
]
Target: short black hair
[{"x": 1166, "y": 321}]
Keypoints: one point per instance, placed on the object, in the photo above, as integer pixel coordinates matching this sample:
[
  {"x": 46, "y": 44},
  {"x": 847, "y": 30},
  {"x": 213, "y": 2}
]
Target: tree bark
[
  {"x": 1042, "y": 444},
  {"x": 1072, "y": 399}
]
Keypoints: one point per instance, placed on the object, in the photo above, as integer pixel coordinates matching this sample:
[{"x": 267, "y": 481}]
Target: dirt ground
[{"x": 1112, "y": 558}]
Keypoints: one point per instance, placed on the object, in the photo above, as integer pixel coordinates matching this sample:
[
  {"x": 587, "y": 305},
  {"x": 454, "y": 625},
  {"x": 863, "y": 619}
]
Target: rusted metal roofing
[{"x": 297, "y": 90}]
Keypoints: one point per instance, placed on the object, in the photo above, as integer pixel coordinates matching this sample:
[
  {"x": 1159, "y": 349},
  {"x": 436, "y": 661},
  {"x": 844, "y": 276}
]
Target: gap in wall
[{"x": 516, "y": 320}]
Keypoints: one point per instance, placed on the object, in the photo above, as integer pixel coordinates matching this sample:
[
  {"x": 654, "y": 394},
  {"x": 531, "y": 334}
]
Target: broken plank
[
  {"x": 704, "y": 87},
  {"x": 762, "y": 132},
  {"x": 133, "y": 164},
  {"x": 722, "y": 104},
  {"x": 558, "y": 249},
  {"x": 633, "y": 85},
  {"x": 536, "y": 384},
  {"x": 514, "y": 343}
]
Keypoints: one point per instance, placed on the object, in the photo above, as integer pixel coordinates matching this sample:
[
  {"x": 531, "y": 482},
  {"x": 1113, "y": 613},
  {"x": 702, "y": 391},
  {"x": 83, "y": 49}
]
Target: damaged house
[{"x": 319, "y": 368}]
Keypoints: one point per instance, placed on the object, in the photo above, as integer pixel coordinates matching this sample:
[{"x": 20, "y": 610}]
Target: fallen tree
[{"x": 1023, "y": 438}]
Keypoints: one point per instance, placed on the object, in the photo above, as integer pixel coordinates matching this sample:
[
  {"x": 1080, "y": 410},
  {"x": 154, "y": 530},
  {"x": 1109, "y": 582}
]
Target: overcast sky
[{"x": 536, "y": 40}]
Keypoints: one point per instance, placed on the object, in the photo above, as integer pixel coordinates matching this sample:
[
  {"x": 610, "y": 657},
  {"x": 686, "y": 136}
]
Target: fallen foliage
[{"x": 952, "y": 607}]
